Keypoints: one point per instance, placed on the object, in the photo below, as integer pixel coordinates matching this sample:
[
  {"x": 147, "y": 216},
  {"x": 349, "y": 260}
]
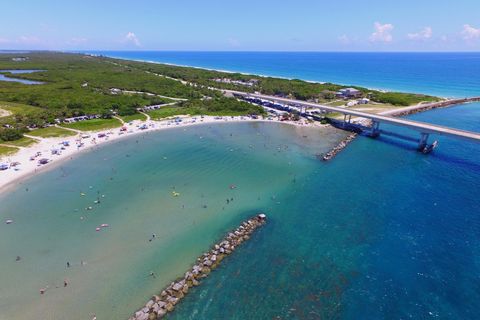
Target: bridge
[{"x": 425, "y": 129}]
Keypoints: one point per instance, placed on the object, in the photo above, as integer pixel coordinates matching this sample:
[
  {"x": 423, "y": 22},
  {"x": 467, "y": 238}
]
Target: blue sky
[{"x": 263, "y": 25}]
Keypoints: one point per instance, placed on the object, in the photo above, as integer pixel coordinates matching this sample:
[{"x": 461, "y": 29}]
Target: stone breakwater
[
  {"x": 339, "y": 147},
  {"x": 160, "y": 305},
  {"x": 433, "y": 105}
]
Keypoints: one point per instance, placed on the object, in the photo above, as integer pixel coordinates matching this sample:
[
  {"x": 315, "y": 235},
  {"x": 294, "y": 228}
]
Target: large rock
[
  {"x": 149, "y": 304},
  {"x": 169, "y": 307},
  {"x": 177, "y": 286},
  {"x": 161, "y": 313}
]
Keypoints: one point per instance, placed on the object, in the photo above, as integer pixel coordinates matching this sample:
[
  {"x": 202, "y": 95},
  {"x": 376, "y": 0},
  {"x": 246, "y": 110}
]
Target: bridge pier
[
  {"x": 375, "y": 129},
  {"x": 422, "y": 143}
]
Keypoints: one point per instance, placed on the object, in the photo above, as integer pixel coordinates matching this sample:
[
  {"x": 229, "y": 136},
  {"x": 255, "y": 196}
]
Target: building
[
  {"x": 363, "y": 101},
  {"x": 349, "y": 93}
]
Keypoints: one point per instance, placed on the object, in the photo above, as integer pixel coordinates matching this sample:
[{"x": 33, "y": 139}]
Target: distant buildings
[
  {"x": 249, "y": 83},
  {"x": 149, "y": 108},
  {"x": 115, "y": 91},
  {"x": 79, "y": 118},
  {"x": 348, "y": 93},
  {"x": 20, "y": 59}
]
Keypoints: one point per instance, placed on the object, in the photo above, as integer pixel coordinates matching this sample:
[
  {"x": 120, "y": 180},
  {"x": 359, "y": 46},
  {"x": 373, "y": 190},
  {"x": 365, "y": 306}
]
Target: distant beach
[{"x": 28, "y": 167}]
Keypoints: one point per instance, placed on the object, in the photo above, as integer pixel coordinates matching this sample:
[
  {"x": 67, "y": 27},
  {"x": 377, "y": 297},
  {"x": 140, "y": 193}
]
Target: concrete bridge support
[
  {"x": 422, "y": 143},
  {"x": 375, "y": 129}
]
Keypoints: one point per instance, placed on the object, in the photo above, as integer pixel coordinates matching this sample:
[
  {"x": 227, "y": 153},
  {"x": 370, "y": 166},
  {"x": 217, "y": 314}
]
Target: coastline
[
  {"x": 249, "y": 73},
  {"x": 28, "y": 168}
]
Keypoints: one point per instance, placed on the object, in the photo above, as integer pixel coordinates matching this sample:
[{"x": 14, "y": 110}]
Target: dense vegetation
[
  {"x": 298, "y": 89},
  {"x": 216, "y": 106},
  {"x": 75, "y": 84}
]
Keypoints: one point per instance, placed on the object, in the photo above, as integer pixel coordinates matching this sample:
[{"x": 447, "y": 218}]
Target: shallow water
[{"x": 137, "y": 176}]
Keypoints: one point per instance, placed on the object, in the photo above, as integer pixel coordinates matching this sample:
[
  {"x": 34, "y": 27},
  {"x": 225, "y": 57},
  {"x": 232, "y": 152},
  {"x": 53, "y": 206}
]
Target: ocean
[
  {"x": 440, "y": 74},
  {"x": 380, "y": 232}
]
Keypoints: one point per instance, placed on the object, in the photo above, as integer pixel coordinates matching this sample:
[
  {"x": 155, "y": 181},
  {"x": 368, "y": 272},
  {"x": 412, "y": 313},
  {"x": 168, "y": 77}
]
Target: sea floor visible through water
[
  {"x": 130, "y": 185},
  {"x": 380, "y": 232}
]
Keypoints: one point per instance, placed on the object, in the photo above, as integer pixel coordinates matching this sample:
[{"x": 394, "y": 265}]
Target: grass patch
[
  {"x": 336, "y": 103},
  {"x": 136, "y": 116},
  {"x": 6, "y": 151},
  {"x": 20, "y": 108},
  {"x": 22, "y": 142},
  {"x": 166, "y": 112},
  {"x": 176, "y": 111},
  {"x": 51, "y": 132},
  {"x": 94, "y": 124}
]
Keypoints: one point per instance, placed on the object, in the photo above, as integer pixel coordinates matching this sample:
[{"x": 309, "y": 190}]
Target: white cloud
[
  {"x": 424, "y": 34},
  {"x": 470, "y": 33},
  {"x": 233, "y": 42},
  {"x": 344, "y": 39},
  {"x": 132, "y": 39},
  {"x": 382, "y": 32}
]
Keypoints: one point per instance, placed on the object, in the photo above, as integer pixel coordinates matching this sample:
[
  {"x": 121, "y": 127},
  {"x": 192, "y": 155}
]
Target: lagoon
[
  {"x": 24, "y": 81},
  {"x": 134, "y": 179}
]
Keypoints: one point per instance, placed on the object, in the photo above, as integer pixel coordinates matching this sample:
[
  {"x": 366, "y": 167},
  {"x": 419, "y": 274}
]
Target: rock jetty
[
  {"x": 163, "y": 303},
  {"x": 433, "y": 105},
  {"x": 339, "y": 147}
]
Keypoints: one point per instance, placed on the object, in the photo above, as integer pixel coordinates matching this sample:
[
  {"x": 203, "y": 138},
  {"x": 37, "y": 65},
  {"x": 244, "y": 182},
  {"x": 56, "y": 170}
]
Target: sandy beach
[{"x": 28, "y": 158}]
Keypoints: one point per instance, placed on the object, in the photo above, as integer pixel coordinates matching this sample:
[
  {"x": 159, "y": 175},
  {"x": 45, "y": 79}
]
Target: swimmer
[
  {"x": 65, "y": 283},
  {"x": 68, "y": 264}
]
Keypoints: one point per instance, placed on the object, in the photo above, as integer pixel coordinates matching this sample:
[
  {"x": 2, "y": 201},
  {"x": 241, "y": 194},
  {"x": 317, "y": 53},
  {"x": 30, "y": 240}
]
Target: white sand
[{"x": 27, "y": 168}]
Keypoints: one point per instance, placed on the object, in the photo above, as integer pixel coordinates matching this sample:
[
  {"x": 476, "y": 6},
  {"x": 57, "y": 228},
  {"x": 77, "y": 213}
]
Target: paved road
[{"x": 415, "y": 125}]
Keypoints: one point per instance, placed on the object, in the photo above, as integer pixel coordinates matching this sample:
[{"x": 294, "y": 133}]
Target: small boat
[
  {"x": 9, "y": 221},
  {"x": 175, "y": 194},
  {"x": 104, "y": 225},
  {"x": 97, "y": 229}
]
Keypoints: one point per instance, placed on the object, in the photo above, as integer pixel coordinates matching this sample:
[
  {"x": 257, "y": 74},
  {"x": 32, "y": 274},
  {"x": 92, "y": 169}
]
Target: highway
[{"x": 421, "y": 127}]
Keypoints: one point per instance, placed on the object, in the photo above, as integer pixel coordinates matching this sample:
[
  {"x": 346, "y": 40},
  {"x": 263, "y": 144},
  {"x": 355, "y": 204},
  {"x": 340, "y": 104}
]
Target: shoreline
[
  {"x": 28, "y": 168},
  {"x": 250, "y": 74}
]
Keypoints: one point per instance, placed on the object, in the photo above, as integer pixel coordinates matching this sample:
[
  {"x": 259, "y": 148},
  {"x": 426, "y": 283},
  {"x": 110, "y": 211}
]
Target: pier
[{"x": 424, "y": 129}]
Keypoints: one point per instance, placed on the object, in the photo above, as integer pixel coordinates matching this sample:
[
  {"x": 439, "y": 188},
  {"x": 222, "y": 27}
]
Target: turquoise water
[
  {"x": 443, "y": 74},
  {"x": 137, "y": 176},
  {"x": 24, "y": 81}
]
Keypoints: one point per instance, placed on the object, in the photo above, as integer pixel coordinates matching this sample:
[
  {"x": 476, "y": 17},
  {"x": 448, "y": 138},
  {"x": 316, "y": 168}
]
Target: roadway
[{"x": 422, "y": 127}]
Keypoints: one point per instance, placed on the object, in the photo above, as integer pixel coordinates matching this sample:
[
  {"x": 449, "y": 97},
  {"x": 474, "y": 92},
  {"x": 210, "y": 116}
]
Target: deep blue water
[
  {"x": 381, "y": 232},
  {"x": 442, "y": 74}
]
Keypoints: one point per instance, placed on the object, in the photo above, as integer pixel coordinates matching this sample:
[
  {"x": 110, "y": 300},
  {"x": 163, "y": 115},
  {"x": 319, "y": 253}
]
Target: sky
[{"x": 241, "y": 25}]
